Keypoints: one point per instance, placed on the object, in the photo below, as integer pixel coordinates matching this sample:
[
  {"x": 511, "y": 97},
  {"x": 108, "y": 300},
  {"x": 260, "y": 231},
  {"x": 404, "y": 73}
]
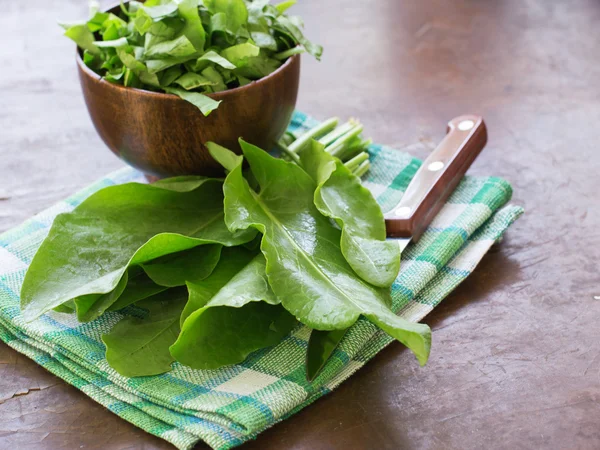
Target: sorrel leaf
[
  {"x": 88, "y": 250},
  {"x": 341, "y": 196},
  {"x": 140, "y": 347},
  {"x": 242, "y": 316}
]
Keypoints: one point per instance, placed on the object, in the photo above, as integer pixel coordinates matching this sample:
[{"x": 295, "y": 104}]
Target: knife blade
[{"x": 427, "y": 192}]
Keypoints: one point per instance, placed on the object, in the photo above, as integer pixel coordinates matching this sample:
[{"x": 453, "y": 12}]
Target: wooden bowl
[{"x": 163, "y": 135}]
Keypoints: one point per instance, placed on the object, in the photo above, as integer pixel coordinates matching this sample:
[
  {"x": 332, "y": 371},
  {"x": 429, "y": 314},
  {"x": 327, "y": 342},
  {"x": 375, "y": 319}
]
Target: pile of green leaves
[
  {"x": 190, "y": 47},
  {"x": 206, "y": 271}
]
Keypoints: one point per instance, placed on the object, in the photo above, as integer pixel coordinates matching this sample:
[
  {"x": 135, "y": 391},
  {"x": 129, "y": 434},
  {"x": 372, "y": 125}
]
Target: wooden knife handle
[{"x": 437, "y": 178}]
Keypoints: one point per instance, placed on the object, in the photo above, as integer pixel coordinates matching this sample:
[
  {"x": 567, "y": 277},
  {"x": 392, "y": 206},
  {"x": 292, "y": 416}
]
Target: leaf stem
[
  {"x": 337, "y": 133},
  {"x": 287, "y": 138},
  {"x": 313, "y": 133},
  {"x": 355, "y": 162},
  {"x": 289, "y": 52},
  {"x": 124, "y": 9},
  {"x": 362, "y": 169},
  {"x": 337, "y": 147},
  {"x": 355, "y": 149},
  {"x": 286, "y": 150}
]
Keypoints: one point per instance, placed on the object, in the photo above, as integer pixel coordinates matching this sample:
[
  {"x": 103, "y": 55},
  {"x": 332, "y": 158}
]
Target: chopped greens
[{"x": 190, "y": 48}]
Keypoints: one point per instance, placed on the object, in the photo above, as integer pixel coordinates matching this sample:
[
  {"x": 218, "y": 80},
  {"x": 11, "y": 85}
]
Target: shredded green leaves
[{"x": 190, "y": 48}]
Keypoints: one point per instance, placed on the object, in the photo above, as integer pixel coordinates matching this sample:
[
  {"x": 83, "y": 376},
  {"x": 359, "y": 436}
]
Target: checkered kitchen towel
[{"x": 228, "y": 406}]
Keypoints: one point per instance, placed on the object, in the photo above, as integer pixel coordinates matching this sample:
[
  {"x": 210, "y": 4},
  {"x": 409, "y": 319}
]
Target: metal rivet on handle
[
  {"x": 435, "y": 166},
  {"x": 403, "y": 212},
  {"x": 466, "y": 125}
]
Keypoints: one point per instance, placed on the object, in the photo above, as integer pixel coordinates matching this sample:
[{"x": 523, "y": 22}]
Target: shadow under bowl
[{"x": 163, "y": 135}]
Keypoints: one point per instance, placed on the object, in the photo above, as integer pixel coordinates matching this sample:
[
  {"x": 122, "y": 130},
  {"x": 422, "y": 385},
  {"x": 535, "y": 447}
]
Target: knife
[{"x": 427, "y": 192}]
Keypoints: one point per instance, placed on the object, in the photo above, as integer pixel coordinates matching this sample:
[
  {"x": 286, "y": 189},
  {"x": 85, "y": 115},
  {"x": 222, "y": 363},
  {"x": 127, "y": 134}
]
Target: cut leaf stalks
[
  {"x": 313, "y": 133},
  {"x": 338, "y": 132},
  {"x": 337, "y": 148},
  {"x": 362, "y": 169},
  {"x": 344, "y": 142},
  {"x": 287, "y": 152},
  {"x": 355, "y": 162}
]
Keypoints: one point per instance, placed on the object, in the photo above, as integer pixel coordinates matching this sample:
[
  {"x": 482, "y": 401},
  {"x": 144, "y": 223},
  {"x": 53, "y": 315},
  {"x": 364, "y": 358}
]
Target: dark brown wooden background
[{"x": 516, "y": 348}]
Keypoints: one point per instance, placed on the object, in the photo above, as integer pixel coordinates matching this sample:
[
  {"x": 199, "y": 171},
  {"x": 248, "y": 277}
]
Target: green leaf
[
  {"x": 83, "y": 37},
  {"x": 90, "y": 307},
  {"x": 150, "y": 40},
  {"x": 218, "y": 29},
  {"x": 227, "y": 75},
  {"x": 239, "y": 54},
  {"x": 137, "y": 67},
  {"x": 167, "y": 28},
  {"x": 157, "y": 65},
  {"x": 115, "y": 77},
  {"x": 223, "y": 156},
  {"x": 191, "y": 265},
  {"x": 160, "y": 11},
  {"x": 259, "y": 26},
  {"x": 111, "y": 34},
  {"x": 218, "y": 84},
  {"x": 130, "y": 79},
  {"x": 88, "y": 250},
  {"x": 121, "y": 42},
  {"x": 95, "y": 22},
  {"x": 142, "y": 21},
  {"x": 193, "y": 80},
  {"x": 242, "y": 316},
  {"x": 212, "y": 56},
  {"x": 181, "y": 183},
  {"x": 263, "y": 39},
  {"x": 67, "y": 308},
  {"x": 90, "y": 60},
  {"x": 256, "y": 10},
  {"x": 140, "y": 347},
  {"x": 243, "y": 81},
  {"x": 258, "y": 67},
  {"x": 175, "y": 48},
  {"x": 116, "y": 21},
  {"x": 200, "y": 101},
  {"x": 235, "y": 12},
  {"x": 133, "y": 6},
  {"x": 233, "y": 259},
  {"x": 341, "y": 196},
  {"x": 290, "y": 52},
  {"x": 294, "y": 31},
  {"x": 139, "y": 286},
  {"x": 148, "y": 78},
  {"x": 305, "y": 264},
  {"x": 130, "y": 61},
  {"x": 284, "y": 6},
  {"x": 169, "y": 76},
  {"x": 193, "y": 30}
]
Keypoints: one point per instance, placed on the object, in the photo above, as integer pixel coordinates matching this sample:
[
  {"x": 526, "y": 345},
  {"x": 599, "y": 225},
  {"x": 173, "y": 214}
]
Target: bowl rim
[{"x": 214, "y": 95}]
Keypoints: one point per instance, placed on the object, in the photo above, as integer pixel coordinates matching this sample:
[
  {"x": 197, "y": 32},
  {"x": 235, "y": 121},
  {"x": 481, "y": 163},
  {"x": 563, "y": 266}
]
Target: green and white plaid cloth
[{"x": 226, "y": 407}]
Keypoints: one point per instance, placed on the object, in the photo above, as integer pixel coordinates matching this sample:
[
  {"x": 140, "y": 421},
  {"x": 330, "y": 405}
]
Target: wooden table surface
[{"x": 516, "y": 348}]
